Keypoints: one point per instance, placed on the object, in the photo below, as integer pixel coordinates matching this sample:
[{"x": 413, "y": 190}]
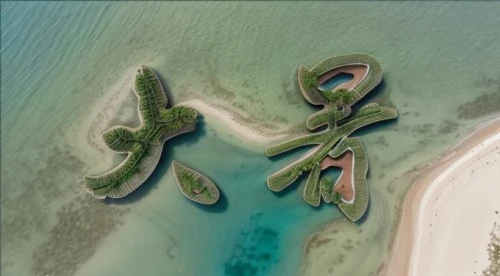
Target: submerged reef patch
[
  {"x": 255, "y": 252},
  {"x": 482, "y": 105},
  {"x": 81, "y": 226},
  {"x": 485, "y": 104}
]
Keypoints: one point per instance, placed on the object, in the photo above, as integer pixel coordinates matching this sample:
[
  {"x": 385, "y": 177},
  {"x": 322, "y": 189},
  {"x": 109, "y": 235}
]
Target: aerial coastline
[
  {"x": 78, "y": 56},
  {"x": 115, "y": 105},
  {"x": 240, "y": 128},
  {"x": 454, "y": 198}
]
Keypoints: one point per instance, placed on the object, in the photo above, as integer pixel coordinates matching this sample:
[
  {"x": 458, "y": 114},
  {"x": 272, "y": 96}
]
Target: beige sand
[
  {"x": 86, "y": 135},
  {"x": 228, "y": 120},
  {"x": 118, "y": 106},
  {"x": 450, "y": 211},
  {"x": 358, "y": 71},
  {"x": 344, "y": 185}
]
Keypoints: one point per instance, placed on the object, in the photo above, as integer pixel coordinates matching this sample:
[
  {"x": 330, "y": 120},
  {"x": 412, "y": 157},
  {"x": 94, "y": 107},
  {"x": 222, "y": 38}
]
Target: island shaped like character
[
  {"x": 334, "y": 147},
  {"x": 143, "y": 144},
  {"x": 194, "y": 185}
]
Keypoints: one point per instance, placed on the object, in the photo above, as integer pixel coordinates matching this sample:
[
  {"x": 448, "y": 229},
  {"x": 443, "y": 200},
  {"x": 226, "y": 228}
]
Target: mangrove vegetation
[
  {"x": 144, "y": 144},
  {"x": 333, "y": 141}
]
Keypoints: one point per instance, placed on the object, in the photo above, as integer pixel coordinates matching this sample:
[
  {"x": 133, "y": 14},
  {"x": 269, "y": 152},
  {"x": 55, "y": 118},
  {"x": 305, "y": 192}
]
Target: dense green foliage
[
  {"x": 355, "y": 210},
  {"x": 333, "y": 141},
  {"x": 369, "y": 82},
  {"x": 336, "y": 198},
  {"x": 194, "y": 185},
  {"x": 310, "y": 139},
  {"x": 321, "y": 118},
  {"x": 326, "y": 140},
  {"x": 144, "y": 144},
  {"x": 312, "y": 190},
  {"x": 493, "y": 268},
  {"x": 310, "y": 80},
  {"x": 326, "y": 186},
  {"x": 339, "y": 97},
  {"x": 331, "y": 100},
  {"x": 308, "y": 87}
]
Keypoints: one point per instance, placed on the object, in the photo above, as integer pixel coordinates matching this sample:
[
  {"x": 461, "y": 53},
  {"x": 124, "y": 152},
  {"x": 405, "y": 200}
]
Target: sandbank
[
  {"x": 86, "y": 134},
  {"x": 450, "y": 210},
  {"x": 119, "y": 107},
  {"x": 228, "y": 120}
]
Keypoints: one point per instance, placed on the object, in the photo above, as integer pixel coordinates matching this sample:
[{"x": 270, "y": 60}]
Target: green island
[
  {"x": 195, "y": 185},
  {"x": 334, "y": 147},
  {"x": 143, "y": 144}
]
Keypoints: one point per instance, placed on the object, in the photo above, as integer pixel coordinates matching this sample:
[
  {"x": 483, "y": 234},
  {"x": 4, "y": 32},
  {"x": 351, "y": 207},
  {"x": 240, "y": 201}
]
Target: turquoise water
[
  {"x": 250, "y": 231},
  {"x": 63, "y": 68},
  {"x": 336, "y": 80}
]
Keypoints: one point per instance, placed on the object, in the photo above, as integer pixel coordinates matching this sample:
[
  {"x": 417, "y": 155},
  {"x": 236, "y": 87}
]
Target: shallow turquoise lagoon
[
  {"x": 250, "y": 230},
  {"x": 336, "y": 80}
]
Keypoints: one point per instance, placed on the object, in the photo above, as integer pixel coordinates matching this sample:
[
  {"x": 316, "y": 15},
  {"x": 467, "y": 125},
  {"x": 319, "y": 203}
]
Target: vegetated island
[
  {"x": 143, "y": 144},
  {"x": 334, "y": 147},
  {"x": 195, "y": 185}
]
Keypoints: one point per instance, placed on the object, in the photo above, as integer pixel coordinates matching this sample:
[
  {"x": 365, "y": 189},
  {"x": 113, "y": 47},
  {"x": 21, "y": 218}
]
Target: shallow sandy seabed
[
  {"x": 106, "y": 114},
  {"x": 244, "y": 131}
]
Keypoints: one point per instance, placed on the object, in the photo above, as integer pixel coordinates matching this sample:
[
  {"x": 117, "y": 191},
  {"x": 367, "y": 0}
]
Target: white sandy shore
[
  {"x": 450, "y": 211},
  {"x": 224, "y": 117}
]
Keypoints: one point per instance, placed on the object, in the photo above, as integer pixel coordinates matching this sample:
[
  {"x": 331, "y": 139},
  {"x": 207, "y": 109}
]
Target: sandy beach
[
  {"x": 245, "y": 132},
  {"x": 118, "y": 107},
  {"x": 450, "y": 211}
]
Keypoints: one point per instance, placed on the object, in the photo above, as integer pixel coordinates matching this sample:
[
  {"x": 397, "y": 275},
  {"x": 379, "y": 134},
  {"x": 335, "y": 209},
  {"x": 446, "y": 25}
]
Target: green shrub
[
  {"x": 144, "y": 146},
  {"x": 195, "y": 185},
  {"x": 312, "y": 190}
]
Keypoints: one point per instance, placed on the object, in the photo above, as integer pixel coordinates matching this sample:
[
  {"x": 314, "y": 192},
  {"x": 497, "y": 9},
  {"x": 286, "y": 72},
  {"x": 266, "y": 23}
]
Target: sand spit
[
  {"x": 228, "y": 120},
  {"x": 450, "y": 210},
  {"x": 119, "y": 107}
]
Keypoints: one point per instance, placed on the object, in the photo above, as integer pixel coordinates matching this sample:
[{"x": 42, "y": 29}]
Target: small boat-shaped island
[{"x": 194, "y": 185}]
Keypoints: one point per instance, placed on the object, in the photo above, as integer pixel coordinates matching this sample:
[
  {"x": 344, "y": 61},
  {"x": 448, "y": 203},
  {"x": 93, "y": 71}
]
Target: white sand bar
[
  {"x": 450, "y": 211},
  {"x": 224, "y": 117}
]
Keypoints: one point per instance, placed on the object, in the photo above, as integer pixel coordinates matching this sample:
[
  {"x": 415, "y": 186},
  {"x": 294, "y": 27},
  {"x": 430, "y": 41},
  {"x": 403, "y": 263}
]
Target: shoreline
[
  {"x": 100, "y": 118},
  {"x": 427, "y": 214},
  {"x": 227, "y": 119},
  {"x": 113, "y": 105}
]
